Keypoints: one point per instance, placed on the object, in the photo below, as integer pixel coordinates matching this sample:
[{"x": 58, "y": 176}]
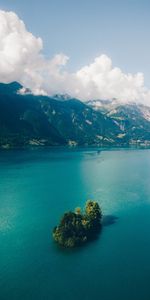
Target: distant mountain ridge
[
  {"x": 28, "y": 120},
  {"x": 133, "y": 119}
]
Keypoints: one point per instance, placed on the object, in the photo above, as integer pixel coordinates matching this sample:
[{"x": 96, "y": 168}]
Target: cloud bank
[{"x": 21, "y": 60}]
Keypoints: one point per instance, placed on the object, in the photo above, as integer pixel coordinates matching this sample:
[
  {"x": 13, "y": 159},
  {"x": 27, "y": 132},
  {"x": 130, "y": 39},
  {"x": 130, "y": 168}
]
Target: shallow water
[{"x": 36, "y": 187}]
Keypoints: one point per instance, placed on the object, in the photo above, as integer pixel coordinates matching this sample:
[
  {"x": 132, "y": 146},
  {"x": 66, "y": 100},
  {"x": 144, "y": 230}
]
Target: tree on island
[{"x": 76, "y": 228}]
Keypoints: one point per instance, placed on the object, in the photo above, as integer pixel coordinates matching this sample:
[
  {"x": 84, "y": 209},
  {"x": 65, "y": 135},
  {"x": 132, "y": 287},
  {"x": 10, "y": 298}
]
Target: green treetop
[{"x": 76, "y": 228}]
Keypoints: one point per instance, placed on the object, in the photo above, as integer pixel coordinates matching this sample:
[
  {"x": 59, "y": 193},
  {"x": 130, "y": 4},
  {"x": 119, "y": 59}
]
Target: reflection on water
[{"x": 109, "y": 220}]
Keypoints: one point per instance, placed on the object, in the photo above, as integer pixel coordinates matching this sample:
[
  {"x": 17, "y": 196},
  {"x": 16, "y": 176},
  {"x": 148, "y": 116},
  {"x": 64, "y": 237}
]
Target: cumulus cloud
[
  {"x": 104, "y": 81},
  {"x": 21, "y": 60}
]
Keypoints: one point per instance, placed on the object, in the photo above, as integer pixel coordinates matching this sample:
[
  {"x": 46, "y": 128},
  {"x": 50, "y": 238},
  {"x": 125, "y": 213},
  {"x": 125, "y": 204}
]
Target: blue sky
[{"x": 84, "y": 29}]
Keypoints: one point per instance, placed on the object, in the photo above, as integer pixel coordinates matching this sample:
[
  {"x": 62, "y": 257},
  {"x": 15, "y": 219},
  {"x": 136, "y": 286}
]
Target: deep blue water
[{"x": 36, "y": 187}]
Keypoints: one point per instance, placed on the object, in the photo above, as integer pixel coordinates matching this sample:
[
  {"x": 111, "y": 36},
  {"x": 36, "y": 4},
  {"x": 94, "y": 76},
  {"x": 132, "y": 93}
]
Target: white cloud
[
  {"x": 21, "y": 59},
  {"x": 104, "y": 81}
]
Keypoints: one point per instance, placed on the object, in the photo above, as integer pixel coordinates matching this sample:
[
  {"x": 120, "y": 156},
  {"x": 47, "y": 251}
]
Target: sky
[{"x": 89, "y": 49}]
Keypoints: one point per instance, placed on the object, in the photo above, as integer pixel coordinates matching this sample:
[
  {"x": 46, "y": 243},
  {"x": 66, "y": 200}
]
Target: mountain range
[{"x": 29, "y": 120}]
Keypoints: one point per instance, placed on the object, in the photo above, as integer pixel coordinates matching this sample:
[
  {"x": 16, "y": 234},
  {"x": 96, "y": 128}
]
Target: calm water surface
[{"x": 36, "y": 187}]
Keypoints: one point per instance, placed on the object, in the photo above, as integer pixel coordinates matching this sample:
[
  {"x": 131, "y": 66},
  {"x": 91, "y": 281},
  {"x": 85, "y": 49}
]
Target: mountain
[
  {"x": 132, "y": 119},
  {"x": 28, "y": 120},
  {"x": 22, "y": 120}
]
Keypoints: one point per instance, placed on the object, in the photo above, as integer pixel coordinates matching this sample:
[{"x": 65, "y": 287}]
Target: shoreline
[{"x": 77, "y": 148}]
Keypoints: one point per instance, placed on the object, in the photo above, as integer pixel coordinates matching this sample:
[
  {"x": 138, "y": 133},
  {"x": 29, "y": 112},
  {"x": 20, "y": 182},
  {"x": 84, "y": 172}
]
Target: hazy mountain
[
  {"x": 26, "y": 119},
  {"x": 133, "y": 119}
]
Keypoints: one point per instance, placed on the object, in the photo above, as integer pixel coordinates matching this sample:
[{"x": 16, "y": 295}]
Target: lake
[{"x": 37, "y": 187}]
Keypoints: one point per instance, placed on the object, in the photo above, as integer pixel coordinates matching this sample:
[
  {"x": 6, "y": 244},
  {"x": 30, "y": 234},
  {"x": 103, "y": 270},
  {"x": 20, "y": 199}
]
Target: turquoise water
[{"x": 36, "y": 187}]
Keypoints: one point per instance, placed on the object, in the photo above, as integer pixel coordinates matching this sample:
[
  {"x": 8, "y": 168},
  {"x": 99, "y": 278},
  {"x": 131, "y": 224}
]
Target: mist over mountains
[{"x": 29, "y": 120}]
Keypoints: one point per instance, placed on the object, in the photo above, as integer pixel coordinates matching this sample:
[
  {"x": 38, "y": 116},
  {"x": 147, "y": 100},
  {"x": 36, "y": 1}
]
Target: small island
[{"x": 76, "y": 228}]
